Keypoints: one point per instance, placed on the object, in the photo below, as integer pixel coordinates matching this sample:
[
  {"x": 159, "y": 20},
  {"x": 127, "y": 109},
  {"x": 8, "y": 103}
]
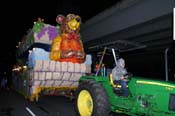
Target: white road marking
[{"x": 30, "y": 111}]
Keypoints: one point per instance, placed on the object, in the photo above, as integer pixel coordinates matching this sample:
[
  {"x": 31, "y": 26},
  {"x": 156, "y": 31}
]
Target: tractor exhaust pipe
[
  {"x": 166, "y": 64},
  {"x": 113, "y": 51}
]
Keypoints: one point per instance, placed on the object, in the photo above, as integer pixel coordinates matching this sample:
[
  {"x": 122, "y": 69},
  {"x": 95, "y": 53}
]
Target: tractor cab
[{"x": 117, "y": 87}]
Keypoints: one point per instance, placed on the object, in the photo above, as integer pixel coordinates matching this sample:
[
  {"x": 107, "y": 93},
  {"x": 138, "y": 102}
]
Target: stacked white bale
[
  {"x": 31, "y": 81},
  {"x": 41, "y": 78},
  {"x": 38, "y": 65},
  {"x": 71, "y": 67},
  {"x": 75, "y": 77},
  {"x": 36, "y": 76},
  {"x": 35, "y": 80},
  {"x": 64, "y": 66},
  {"x": 66, "y": 76},
  {"x": 48, "y": 76},
  {"x": 75, "y": 84},
  {"x": 52, "y": 66},
  {"x": 43, "y": 83},
  {"x": 58, "y": 67},
  {"x": 66, "y": 83},
  {"x": 77, "y": 67},
  {"x": 65, "y": 79},
  {"x": 45, "y": 66},
  {"x": 57, "y": 74},
  {"x": 41, "y": 75},
  {"x": 49, "y": 83},
  {"x": 36, "y": 83},
  {"x": 83, "y": 68},
  {"x": 57, "y": 83}
]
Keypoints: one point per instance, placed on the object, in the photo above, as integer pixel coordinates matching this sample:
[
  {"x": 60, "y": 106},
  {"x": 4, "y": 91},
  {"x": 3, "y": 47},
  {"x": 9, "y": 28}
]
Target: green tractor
[{"x": 96, "y": 96}]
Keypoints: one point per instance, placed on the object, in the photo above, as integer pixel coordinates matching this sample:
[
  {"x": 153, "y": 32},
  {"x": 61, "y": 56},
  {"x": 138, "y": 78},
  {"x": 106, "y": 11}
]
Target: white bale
[
  {"x": 66, "y": 83},
  {"x": 42, "y": 76},
  {"x": 52, "y": 65},
  {"x": 38, "y": 65},
  {"x": 83, "y": 68},
  {"x": 48, "y": 75},
  {"x": 75, "y": 76},
  {"x": 64, "y": 66},
  {"x": 75, "y": 84},
  {"x": 77, "y": 67},
  {"x": 36, "y": 76},
  {"x": 57, "y": 83},
  {"x": 42, "y": 83},
  {"x": 36, "y": 83},
  {"x": 70, "y": 67},
  {"x": 58, "y": 66},
  {"x": 66, "y": 76},
  {"x": 49, "y": 83},
  {"x": 45, "y": 65},
  {"x": 57, "y": 75}
]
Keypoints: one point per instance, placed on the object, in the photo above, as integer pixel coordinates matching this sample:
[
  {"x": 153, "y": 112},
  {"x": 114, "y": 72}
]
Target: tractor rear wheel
[{"x": 91, "y": 99}]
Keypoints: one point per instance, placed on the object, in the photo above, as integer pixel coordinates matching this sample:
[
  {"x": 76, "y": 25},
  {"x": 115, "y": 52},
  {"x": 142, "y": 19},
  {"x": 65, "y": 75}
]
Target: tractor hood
[{"x": 141, "y": 85}]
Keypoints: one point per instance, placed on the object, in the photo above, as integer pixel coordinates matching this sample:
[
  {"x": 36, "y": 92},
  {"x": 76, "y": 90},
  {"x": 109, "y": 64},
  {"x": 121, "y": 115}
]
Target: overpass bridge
[
  {"x": 141, "y": 28},
  {"x": 146, "y": 23}
]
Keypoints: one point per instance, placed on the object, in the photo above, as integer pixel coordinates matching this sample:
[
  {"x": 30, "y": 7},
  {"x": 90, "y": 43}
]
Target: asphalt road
[{"x": 14, "y": 104}]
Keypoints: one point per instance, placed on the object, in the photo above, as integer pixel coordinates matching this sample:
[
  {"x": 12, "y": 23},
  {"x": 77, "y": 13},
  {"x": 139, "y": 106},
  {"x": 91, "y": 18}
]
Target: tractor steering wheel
[{"x": 128, "y": 75}]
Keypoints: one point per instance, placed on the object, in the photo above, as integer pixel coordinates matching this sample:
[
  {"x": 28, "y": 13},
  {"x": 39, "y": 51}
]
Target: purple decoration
[
  {"x": 42, "y": 32},
  {"x": 51, "y": 31}
]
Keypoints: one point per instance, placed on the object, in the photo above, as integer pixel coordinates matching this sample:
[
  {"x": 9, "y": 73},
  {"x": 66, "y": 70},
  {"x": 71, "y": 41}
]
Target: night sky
[{"x": 18, "y": 16}]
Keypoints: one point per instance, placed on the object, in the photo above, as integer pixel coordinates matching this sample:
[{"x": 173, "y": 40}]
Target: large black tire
[{"x": 101, "y": 106}]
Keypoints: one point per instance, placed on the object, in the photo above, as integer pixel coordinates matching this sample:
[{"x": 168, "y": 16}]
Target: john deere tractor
[{"x": 99, "y": 96}]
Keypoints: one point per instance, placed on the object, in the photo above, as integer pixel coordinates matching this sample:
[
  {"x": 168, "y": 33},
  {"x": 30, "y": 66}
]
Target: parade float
[{"x": 51, "y": 59}]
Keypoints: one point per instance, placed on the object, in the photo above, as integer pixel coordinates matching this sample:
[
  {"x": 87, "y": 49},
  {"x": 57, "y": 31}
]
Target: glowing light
[{"x": 25, "y": 67}]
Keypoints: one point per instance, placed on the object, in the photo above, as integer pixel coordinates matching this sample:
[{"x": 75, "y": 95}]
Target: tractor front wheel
[{"x": 91, "y": 99}]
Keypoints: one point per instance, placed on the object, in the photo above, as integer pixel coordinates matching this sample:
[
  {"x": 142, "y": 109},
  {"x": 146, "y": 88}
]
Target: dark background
[{"x": 17, "y": 17}]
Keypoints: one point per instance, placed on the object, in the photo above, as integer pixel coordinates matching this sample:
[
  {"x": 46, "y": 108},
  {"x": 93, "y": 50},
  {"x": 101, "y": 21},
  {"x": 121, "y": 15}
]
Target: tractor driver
[{"x": 119, "y": 72}]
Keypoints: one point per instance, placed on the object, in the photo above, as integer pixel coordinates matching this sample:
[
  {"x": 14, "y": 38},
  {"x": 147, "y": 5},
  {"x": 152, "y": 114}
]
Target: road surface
[{"x": 14, "y": 104}]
